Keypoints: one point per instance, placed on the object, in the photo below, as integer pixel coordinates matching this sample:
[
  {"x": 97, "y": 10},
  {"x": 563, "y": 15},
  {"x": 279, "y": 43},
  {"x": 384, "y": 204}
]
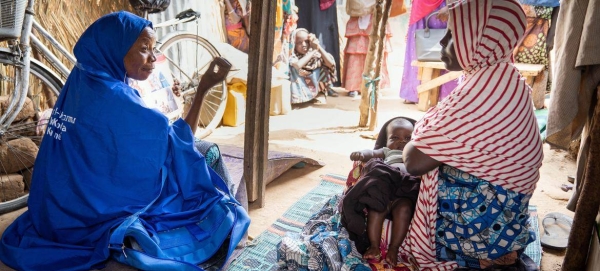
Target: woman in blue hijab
[{"x": 106, "y": 155}]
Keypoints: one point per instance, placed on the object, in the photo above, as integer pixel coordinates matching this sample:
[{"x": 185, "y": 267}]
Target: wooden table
[{"x": 431, "y": 80}]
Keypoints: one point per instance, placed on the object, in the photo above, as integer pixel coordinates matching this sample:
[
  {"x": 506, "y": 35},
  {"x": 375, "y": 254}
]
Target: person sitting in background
[
  {"x": 385, "y": 190},
  {"x": 312, "y": 69},
  {"x": 237, "y": 18}
]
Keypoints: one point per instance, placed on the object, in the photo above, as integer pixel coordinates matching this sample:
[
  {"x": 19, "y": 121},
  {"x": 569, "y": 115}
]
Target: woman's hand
[{"x": 443, "y": 14}]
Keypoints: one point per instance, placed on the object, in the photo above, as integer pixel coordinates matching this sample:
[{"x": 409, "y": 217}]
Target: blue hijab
[{"x": 104, "y": 156}]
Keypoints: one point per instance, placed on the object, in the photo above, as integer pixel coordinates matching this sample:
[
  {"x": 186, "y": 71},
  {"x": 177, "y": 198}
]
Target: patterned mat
[{"x": 262, "y": 254}]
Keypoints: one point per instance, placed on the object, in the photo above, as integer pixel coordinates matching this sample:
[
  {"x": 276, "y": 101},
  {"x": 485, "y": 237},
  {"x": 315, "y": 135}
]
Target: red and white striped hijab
[{"x": 486, "y": 126}]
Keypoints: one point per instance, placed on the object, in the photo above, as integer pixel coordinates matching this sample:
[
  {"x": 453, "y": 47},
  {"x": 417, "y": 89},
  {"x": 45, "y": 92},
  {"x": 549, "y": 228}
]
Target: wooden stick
[
  {"x": 438, "y": 81},
  {"x": 380, "y": 49},
  {"x": 256, "y": 133},
  {"x": 588, "y": 202},
  {"x": 368, "y": 68}
]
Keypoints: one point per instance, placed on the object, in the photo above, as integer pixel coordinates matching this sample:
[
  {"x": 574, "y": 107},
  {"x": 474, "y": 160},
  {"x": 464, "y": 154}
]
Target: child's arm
[
  {"x": 327, "y": 58},
  {"x": 366, "y": 155},
  {"x": 304, "y": 60}
]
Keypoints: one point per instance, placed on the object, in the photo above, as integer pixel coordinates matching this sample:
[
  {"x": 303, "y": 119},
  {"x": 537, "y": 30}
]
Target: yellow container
[{"x": 235, "y": 109}]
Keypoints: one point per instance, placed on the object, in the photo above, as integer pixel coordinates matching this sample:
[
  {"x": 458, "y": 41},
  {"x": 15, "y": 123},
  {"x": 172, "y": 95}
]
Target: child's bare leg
[
  {"x": 374, "y": 224},
  {"x": 402, "y": 211}
]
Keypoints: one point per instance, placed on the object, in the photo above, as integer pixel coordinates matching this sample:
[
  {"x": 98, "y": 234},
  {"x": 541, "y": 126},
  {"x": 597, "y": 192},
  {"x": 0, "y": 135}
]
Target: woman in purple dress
[{"x": 418, "y": 14}]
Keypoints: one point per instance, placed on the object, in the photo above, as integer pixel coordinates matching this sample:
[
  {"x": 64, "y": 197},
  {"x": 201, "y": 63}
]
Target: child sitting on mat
[{"x": 385, "y": 190}]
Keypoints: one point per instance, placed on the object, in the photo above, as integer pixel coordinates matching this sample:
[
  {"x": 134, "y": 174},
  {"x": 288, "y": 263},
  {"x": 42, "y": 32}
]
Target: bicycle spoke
[{"x": 22, "y": 156}]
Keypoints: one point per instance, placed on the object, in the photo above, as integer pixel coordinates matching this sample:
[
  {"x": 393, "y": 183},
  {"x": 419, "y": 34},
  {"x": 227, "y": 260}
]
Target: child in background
[{"x": 312, "y": 69}]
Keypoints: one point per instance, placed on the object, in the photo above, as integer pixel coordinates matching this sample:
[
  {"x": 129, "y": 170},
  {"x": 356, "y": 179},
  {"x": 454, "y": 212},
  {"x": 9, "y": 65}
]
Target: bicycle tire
[
  {"x": 188, "y": 69},
  {"x": 49, "y": 84}
]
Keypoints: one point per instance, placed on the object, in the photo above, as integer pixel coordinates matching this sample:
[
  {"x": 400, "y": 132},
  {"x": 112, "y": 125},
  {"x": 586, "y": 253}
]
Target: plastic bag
[
  {"x": 359, "y": 7},
  {"x": 152, "y": 6}
]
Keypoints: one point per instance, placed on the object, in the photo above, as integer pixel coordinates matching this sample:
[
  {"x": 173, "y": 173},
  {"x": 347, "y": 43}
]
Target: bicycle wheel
[
  {"x": 20, "y": 139},
  {"x": 189, "y": 56}
]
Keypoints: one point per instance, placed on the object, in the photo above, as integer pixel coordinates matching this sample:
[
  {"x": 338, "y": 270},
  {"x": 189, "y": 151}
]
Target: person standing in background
[
  {"x": 358, "y": 30},
  {"x": 418, "y": 15}
]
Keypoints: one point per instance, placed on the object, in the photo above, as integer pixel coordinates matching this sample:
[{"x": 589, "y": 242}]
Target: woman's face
[
  {"x": 139, "y": 60},
  {"x": 301, "y": 42},
  {"x": 448, "y": 53}
]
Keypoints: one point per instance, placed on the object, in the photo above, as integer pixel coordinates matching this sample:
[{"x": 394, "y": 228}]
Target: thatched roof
[{"x": 67, "y": 19}]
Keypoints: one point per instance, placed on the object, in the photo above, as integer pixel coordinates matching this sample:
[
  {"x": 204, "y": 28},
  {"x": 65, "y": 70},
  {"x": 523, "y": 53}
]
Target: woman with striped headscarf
[{"x": 479, "y": 150}]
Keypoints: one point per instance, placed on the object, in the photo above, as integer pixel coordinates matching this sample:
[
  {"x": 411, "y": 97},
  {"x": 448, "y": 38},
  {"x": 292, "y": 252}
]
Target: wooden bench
[{"x": 429, "y": 75}]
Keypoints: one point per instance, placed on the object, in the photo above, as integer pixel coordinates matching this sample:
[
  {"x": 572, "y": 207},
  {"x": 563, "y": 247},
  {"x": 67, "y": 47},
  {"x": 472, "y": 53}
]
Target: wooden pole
[
  {"x": 588, "y": 202},
  {"x": 256, "y": 132},
  {"x": 368, "y": 68},
  {"x": 379, "y": 62}
]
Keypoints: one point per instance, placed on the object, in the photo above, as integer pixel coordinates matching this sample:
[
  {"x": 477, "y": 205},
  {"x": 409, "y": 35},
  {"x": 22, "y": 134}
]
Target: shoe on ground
[
  {"x": 353, "y": 93},
  {"x": 332, "y": 93}
]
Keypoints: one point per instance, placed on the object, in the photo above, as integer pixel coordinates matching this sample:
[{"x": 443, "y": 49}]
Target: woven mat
[{"x": 261, "y": 255}]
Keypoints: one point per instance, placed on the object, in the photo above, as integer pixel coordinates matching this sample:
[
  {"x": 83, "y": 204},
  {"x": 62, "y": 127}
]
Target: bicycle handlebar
[{"x": 185, "y": 16}]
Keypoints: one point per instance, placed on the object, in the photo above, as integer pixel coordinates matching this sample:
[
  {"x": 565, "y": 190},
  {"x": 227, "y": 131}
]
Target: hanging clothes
[{"x": 356, "y": 50}]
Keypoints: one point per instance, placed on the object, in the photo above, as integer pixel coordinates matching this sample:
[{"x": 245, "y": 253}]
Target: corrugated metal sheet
[{"x": 210, "y": 25}]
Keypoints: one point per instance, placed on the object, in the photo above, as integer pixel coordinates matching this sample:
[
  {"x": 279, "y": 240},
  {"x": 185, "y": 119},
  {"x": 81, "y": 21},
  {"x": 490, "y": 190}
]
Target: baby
[{"x": 398, "y": 133}]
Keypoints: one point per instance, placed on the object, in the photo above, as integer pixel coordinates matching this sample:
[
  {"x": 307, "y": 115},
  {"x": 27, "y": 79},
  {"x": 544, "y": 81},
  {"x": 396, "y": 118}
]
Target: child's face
[
  {"x": 398, "y": 136},
  {"x": 301, "y": 42}
]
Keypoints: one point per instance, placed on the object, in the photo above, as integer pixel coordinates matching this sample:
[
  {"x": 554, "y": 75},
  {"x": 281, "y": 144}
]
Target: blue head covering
[
  {"x": 104, "y": 156},
  {"x": 105, "y": 43}
]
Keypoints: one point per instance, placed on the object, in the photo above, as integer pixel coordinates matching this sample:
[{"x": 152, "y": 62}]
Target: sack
[
  {"x": 398, "y": 8},
  {"x": 427, "y": 42},
  {"x": 212, "y": 239},
  {"x": 359, "y": 8},
  {"x": 152, "y": 6}
]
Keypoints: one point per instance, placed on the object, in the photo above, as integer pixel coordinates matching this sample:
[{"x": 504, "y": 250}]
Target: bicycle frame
[
  {"x": 22, "y": 58},
  {"x": 191, "y": 16}
]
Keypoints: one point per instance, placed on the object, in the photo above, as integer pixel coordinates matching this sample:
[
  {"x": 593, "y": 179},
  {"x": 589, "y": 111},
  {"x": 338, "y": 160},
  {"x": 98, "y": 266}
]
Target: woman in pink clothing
[{"x": 358, "y": 30}]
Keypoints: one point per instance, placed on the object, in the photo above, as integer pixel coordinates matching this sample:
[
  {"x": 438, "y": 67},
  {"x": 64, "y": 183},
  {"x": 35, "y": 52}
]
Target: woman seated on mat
[
  {"x": 312, "y": 69},
  {"x": 479, "y": 151},
  {"x": 106, "y": 157},
  {"x": 385, "y": 189}
]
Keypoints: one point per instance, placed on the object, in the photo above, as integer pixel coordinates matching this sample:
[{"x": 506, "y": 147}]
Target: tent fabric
[{"x": 576, "y": 70}]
